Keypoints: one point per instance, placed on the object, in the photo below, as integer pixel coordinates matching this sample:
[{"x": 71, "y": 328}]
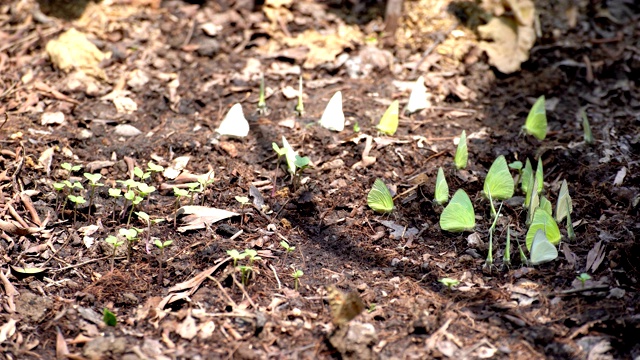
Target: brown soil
[{"x": 193, "y": 77}]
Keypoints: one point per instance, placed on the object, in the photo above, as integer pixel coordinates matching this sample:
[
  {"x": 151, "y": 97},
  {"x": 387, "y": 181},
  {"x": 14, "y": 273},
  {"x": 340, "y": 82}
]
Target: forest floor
[{"x": 174, "y": 71}]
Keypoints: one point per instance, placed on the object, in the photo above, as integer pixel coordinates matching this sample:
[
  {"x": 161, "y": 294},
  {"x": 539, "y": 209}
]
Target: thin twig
[
  {"x": 244, "y": 291},
  {"x": 276, "y": 275}
]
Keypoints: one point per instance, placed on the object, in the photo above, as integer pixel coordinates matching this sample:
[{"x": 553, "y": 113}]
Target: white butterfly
[
  {"x": 333, "y": 117},
  {"x": 542, "y": 250},
  {"x": 418, "y": 98},
  {"x": 234, "y": 124}
]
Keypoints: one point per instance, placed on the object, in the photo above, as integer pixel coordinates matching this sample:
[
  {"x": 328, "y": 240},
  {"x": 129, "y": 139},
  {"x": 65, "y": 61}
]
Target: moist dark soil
[{"x": 184, "y": 65}]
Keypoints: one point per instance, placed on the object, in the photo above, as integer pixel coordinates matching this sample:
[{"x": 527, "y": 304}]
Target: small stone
[{"x": 208, "y": 47}]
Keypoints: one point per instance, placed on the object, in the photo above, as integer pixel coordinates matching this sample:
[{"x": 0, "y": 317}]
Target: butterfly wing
[
  {"x": 545, "y": 222},
  {"x": 458, "y": 216},
  {"x": 389, "y": 121},
  {"x": 418, "y": 97},
  {"x": 536, "y": 123},
  {"x": 563, "y": 207},
  {"x": 234, "y": 123},
  {"x": 542, "y": 250},
  {"x": 344, "y": 307},
  {"x": 442, "y": 188},
  {"x": 379, "y": 197},
  {"x": 333, "y": 117},
  {"x": 462, "y": 153},
  {"x": 499, "y": 181}
]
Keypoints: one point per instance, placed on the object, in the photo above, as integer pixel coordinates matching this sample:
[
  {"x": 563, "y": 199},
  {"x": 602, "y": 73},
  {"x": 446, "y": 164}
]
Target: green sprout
[
  {"x": 371, "y": 308},
  {"x": 586, "y": 128},
  {"x": 115, "y": 194},
  {"x": 280, "y": 152},
  {"x": 356, "y": 127},
  {"x": 135, "y": 200},
  {"x": 178, "y": 193},
  {"x": 297, "y": 274},
  {"x": 245, "y": 273},
  {"x": 262, "y": 103},
  {"x": 252, "y": 255},
  {"x": 243, "y": 200},
  {"x": 236, "y": 255},
  {"x": 506, "y": 258},
  {"x": 517, "y": 165},
  {"x": 153, "y": 168},
  {"x": 59, "y": 188},
  {"x": 76, "y": 200},
  {"x": 583, "y": 278},
  {"x": 141, "y": 174},
  {"x": 115, "y": 243},
  {"x": 93, "y": 182},
  {"x": 462, "y": 154},
  {"x": 70, "y": 168},
  {"x": 488, "y": 264},
  {"x": 131, "y": 235},
  {"x": 161, "y": 245},
  {"x": 145, "y": 217},
  {"x": 287, "y": 247},
  {"x": 204, "y": 183},
  {"x": 300, "y": 106},
  {"x": 301, "y": 163},
  {"x": 109, "y": 318},
  {"x": 449, "y": 282},
  {"x": 193, "y": 188}
]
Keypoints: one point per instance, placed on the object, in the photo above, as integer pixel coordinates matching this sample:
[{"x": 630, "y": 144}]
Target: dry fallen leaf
[{"x": 72, "y": 50}]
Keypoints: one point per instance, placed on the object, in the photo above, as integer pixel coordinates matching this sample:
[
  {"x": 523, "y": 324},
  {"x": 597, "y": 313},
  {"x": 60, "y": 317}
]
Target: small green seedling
[
  {"x": 109, "y": 318},
  {"x": 59, "y": 188},
  {"x": 70, "y": 168},
  {"x": 506, "y": 258},
  {"x": 536, "y": 123},
  {"x": 371, "y": 308},
  {"x": 76, "y": 200},
  {"x": 115, "y": 194},
  {"x": 161, "y": 245},
  {"x": 145, "y": 218},
  {"x": 449, "y": 282},
  {"x": 442, "y": 188},
  {"x": 290, "y": 156},
  {"x": 300, "y": 106},
  {"x": 583, "y": 278},
  {"x": 252, "y": 255},
  {"x": 154, "y": 168},
  {"x": 245, "y": 273},
  {"x": 135, "y": 200},
  {"x": 141, "y": 174},
  {"x": 194, "y": 188},
  {"x": 301, "y": 163},
  {"x": 93, "y": 182},
  {"x": 379, "y": 198},
  {"x": 459, "y": 215},
  {"x": 517, "y": 165},
  {"x": 586, "y": 128},
  {"x": 356, "y": 127},
  {"x": 462, "y": 153},
  {"x": 489, "y": 261},
  {"x": 243, "y": 200},
  {"x": 262, "y": 102},
  {"x": 235, "y": 256},
  {"x": 115, "y": 243},
  {"x": 280, "y": 152},
  {"x": 289, "y": 249},
  {"x": 297, "y": 274},
  {"x": 131, "y": 235}
]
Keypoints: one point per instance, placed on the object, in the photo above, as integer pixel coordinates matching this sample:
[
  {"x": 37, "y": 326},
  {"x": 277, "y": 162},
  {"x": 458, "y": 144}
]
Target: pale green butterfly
[
  {"x": 389, "y": 121},
  {"x": 545, "y": 222},
  {"x": 459, "y": 215},
  {"x": 499, "y": 182},
  {"x": 442, "y": 188},
  {"x": 540, "y": 176},
  {"x": 536, "y": 123},
  {"x": 290, "y": 155},
  {"x": 533, "y": 199},
  {"x": 527, "y": 173},
  {"x": 418, "y": 98},
  {"x": 333, "y": 117},
  {"x": 545, "y": 205},
  {"x": 542, "y": 250},
  {"x": 379, "y": 198},
  {"x": 234, "y": 123},
  {"x": 563, "y": 206},
  {"x": 586, "y": 128},
  {"x": 462, "y": 154}
]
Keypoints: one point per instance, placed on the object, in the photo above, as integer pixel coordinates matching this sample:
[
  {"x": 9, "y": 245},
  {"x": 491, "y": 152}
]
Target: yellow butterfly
[{"x": 344, "y": 306}]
